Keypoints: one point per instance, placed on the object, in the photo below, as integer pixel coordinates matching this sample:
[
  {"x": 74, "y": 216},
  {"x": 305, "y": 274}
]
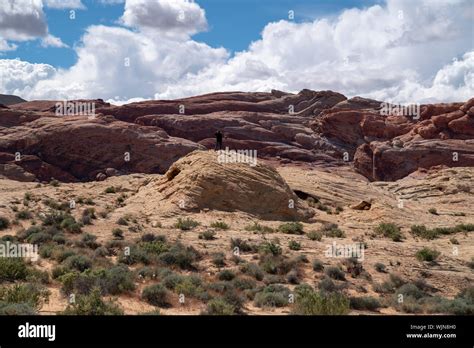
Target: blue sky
[
  {"x": 233, "y": 24},
  {"x": 402, "y": 51}
]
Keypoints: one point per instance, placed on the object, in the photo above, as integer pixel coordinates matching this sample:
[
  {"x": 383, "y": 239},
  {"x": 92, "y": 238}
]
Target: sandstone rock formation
[
  {"x": 198, "y": 181},
  {"x": 321, "y": 128}
]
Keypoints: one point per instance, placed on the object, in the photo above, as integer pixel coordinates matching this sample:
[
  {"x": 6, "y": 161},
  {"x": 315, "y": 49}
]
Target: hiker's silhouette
[{"x": 218, "y": 136}]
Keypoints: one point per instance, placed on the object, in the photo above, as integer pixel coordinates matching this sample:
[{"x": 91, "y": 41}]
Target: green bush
[
  {"x": 294, "y": 245},
  {"x": 310, "y": 302},
  {"x": 389, "y": 230},
  {"x": 380, "y": 267},
  {"x": 318, "y": 265},
  {"x": 29, "y": 294},
  {"x": 110, "y": 189},
  {"x": 92, "y": 304},
  {"x": 332, "y": 230},
  {"x": 218, "y": 259},
  {"x": 226, "y": 275},
  {"x": 270, "y": 248},
  {"x": 423, "y": 232},
  {"x": 23, "y": 215},
  {"x": 78, "y": 262},
  {"x": 242, "y": 245},
  {"x": 365, "y": 303},
  {"x": 156, "y": 295},
  {"x": 117, "y": 233},
  {"x": 314, "y": 235},
  {"x": 186, "y": 224},
  {"x": 256, "y": 227},
  {"x": 218, "y": 306},
  {"x": 12, "y": 268},
  {"x": 181, "y": 256},
  {"x": 427, "y": 254},
  {"x": 335, "y": 273},
  {"x": 4, "y": 223},
  {"x": 253, "y": 270},
  {"x": 220, "y": 225},
  {"x": 291, "y": 228},
  {"x": 272, "y": 296},
  {"x": 207, "y": 235},
  {"x": 17, "y": 309}
]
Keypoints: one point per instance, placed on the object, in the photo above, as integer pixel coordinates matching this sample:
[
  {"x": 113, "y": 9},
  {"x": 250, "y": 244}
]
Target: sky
[{"x": 402, "y": 51}]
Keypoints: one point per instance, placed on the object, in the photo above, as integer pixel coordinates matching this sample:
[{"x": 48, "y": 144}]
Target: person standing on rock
[{"x": 218, "y": 136}]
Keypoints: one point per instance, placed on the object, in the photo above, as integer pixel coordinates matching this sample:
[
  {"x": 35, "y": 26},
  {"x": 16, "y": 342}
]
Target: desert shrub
[
  {"x": 389, "y": 230},
  {"x": 156, "y": 295},
  {"x": 293, "y": 277},
  {"x": 30, "y": 294},
  {"x": 294, "y": 245},
  {"x": 272, "y": 296},
  {"x": 327, "y": 285},
  {"x": 454, "y": 241},
  {"x": 23, "y": 215},
  {"x": 89, "y": 240},
  {"x": 218, "y": 306},
  {"x": 380, "y": 267},
  {"x": 291, "y": 228},
  {"x": 332, "y": 230},
  {"x": 314, "y": 235},
  {"x": 17, "y": 309},
  {"x": 389, "y": 286},
  {"x": 59, "y": 239},
  {"x": 123, "y": 221},
  {"x": 433, "y": 211},
  {"x": 78, "y": 262},
  {"x": 471, "y": 263},
  {"x": 186, "y": 224},
  {"x": 116, "y": 280},
  {"x": 365, "y": 303},
  {"x": 410, "y": 290},
  {"x": 244, "y": 283},
  {"x": 220, "y": 225},
  {"x": 134, "y": 256},
  {"x": 276, "y": 264},
  {"x": 226, "y": 275},
  {"x": 256, "y": 227},
  {"x": 117, "y": 233},
  {"x": 423, "y": 232},
  {"x": 318, "y": 265},
  {"x": 241, "y": 245},
  {"x": 218, "y": 259},
  {"x": 270, "y": 248},
  {"x": 4, "y": 223},
  {"x": 92, "y": 304},
  {"x": 310, "y": 302},
  {"x": 181, "y": 256},
  {"x": 39, "y": 238},
  {"x": 12, "y": 268},
  {"x": 110, "y": 189},
  {"x": 334, "y": 273},
  {"x": 427, "y": 254},
  {"x": 207, "y": 235},
  {"x": 253, "y": 270},
  {"x": 156, "y": 247}
]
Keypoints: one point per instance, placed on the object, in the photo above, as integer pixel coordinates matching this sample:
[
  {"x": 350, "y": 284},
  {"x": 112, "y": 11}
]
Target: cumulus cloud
[
  {"x": 5, "y": 46},
  {"x": 22, "y": 20},
  {"x": 167, "y": 16},
  {"x": 17, "y": 77},
  {"x": 397, "y": 51},
  {"x": 65, "y": 4},
  {"x": 52, "y": 41}
]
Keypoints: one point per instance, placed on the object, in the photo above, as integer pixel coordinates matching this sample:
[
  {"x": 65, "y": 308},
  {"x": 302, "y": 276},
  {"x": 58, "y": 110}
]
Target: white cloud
[
  {"x": 22, "y": 20},
  {"x": 111, "y": 2},
  {"x": 52, "y": 41},
  {"x": 5, "y": 46},
  {"x": 397, "y": 51},
  {"x": 168, "y": 16},
  {"x": 65, "y": 4},
  {"x": 18, "y": 77}
]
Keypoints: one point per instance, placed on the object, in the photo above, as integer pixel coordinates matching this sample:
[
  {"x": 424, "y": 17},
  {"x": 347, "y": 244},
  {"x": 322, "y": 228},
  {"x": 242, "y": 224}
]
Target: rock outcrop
[{"x": 199, "y": 181}]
